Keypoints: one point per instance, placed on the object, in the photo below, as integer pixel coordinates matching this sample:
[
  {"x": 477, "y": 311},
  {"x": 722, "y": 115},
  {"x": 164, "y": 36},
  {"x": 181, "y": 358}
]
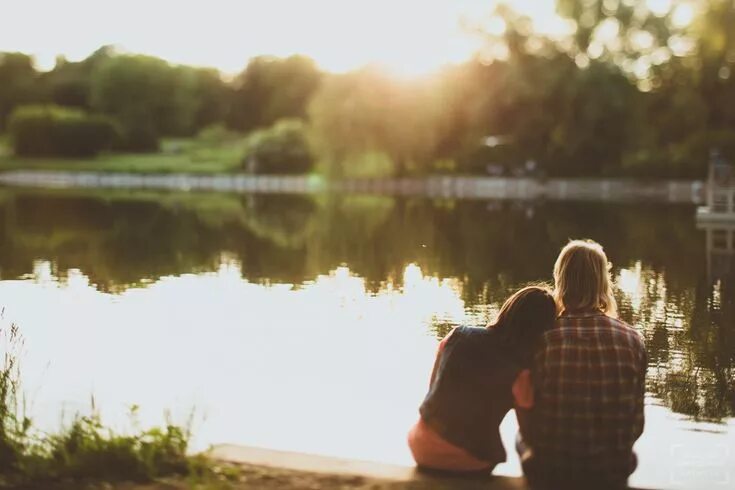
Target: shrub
[
  {"x": 56, "y": 131},
  {"x": 280, "y": 149},
  {"x": 88, "y": 450},
  {"x": 139, "y": 138},
  {"x": 217, "y": 134}
]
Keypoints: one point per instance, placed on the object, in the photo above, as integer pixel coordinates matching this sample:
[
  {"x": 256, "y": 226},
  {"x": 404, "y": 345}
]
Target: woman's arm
[
  {"x": 523, "y": 390},
  {"x": 523, "y": 401},
  {"x": 438, "y": 357}
]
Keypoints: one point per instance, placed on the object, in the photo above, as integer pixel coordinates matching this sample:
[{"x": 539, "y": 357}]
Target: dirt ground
[{"x": 247, "y": 477}]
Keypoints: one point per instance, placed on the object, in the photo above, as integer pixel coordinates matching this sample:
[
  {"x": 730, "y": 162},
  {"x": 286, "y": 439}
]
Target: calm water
[{"x": 311, "y": 323}]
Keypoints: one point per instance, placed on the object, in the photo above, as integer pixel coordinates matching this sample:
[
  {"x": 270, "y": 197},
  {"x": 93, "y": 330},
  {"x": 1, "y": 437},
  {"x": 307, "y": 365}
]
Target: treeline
[{"x": 628, "y": 91}]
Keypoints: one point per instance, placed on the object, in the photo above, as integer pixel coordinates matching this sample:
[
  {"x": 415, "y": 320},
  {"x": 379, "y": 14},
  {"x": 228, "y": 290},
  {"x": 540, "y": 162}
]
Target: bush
[
  {"x": 281, "y": 149},
  {"x": 217, "y": 134},
  {"x": 139, "y": 138},
  {"x": 56, "y": 131},
  {"x": 88, "y": 450}
]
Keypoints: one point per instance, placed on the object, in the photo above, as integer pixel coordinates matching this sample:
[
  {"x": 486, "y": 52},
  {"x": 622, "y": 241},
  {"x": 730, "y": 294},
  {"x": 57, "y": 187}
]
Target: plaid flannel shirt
[{"x": 589, "y": 385}]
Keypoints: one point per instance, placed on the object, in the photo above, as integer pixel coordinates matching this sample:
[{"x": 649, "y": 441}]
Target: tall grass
[
  {"x": 85, "y": 449},
  {"x": 14, "y": 425}
]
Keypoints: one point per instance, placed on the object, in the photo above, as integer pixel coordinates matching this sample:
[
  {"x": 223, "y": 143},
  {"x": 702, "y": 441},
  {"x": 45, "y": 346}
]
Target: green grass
[
  {"x": 84, "y": 450},
  {"x": 176, "y": 155}
]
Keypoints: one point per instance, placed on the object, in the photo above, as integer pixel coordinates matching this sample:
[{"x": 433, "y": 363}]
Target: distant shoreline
[{"x": 556, "y": 189}]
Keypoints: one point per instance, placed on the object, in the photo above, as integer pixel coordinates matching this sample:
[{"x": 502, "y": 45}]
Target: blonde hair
[{"x": 582, "y": 278}]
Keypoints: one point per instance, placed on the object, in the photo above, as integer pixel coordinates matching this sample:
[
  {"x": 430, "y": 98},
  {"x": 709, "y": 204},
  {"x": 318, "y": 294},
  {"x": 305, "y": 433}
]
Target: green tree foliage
[
  {"x": 69, "y": 83},
  {"x": 633, "y": 91},
  {"x": 18, "y": 83},
  {"x": 281, "y": 149},
  {"x": 690, "y": 95},
  {"x": 149, "y": 98},
  {"x": 270, "y": 89},
  {"x": 212, "y": 96},
  {"x": 57, "y": 131},
  {"x": 370, "y": 113},
  {"x": 632, "y": 88},
  {"x": 715, "y": 32}
]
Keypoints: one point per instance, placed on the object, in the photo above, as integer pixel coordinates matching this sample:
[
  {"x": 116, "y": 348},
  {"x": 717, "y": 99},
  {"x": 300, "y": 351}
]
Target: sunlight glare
[
  {"x": 683, "y": 15},
  {"x": 406, "y": 38},
  {"x": 607, "y": 30},
  {"x": 629, "y": 282},
  {"x": 659, "y": 7},
  {"x": 233, "y": 323},
  {"x": 642, "y": 40},
  {"x": 43, "y": 272},
  {"x": 495, "y": 26}
]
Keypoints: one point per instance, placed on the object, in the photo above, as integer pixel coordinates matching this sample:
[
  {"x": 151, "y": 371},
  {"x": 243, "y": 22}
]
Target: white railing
[{"x": 722, "y": 200}]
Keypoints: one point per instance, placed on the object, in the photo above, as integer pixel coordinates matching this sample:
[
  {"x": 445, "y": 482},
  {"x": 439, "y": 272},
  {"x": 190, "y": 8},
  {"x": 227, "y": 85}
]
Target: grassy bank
[
  {"x": 176, "y": 155},
  {"x": 85, "y": 452}
]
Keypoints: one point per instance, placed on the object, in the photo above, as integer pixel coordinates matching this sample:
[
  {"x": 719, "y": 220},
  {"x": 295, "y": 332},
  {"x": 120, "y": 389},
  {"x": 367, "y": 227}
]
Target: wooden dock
[
  {"x": 408, "y": 475},
  {"x": 720, "y": 207}
]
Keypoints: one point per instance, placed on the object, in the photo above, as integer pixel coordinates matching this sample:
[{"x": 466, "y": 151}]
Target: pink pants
[{"x": 430, "y": 450}]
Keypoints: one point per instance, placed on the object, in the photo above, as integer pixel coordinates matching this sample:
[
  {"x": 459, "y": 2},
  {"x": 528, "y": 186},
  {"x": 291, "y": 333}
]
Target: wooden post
[
  {"x": 709, "y": 246},
  {"x": 711, "y": 187}
]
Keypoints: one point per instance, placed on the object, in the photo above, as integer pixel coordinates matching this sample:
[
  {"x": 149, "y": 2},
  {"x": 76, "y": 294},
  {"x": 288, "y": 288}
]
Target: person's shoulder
[
  {"x": 570, "y": 326},
  {"x": 468, "y": 331},
  {"x": 619, "y": 333},
  {"x": 622, "y": 327},
  {"x": 459, "y": 332}
]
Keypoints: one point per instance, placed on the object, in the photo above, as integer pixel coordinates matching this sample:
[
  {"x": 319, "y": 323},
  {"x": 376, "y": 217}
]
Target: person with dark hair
[{"x": 471, "y": 387}]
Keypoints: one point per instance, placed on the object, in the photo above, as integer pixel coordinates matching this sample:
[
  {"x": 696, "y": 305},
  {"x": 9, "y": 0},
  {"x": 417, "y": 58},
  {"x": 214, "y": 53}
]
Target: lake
[{"x": 310, "y": 323}]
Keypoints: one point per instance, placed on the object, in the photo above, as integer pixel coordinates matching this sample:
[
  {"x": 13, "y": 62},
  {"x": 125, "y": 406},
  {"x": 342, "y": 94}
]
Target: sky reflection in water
[{"x": 248, "y": 318}]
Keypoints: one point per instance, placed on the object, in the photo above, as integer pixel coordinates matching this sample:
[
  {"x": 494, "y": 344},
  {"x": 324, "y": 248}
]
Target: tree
[
  {"x": 368, "y": 113},
  {"x": 69, "y": 83},
  {"x": 272, "y": 88},
  {"x": 715, "y": 34},
  {"x": 212, "y": 95},
  {"x": 149, "y": 97},
  {"x": 18, "y": 83}
]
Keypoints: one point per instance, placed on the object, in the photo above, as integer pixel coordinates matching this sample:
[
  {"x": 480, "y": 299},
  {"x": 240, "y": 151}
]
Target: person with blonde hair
[{"x": 582, "y": 408}]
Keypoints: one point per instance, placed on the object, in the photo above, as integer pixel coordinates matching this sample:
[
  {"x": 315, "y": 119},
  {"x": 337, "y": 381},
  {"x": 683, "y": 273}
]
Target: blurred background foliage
[{"x": 629, "y": 90}]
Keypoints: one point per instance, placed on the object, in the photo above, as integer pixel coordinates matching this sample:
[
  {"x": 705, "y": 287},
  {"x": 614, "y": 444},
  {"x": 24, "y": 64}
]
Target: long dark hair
[{"x": 523, "y": 318}]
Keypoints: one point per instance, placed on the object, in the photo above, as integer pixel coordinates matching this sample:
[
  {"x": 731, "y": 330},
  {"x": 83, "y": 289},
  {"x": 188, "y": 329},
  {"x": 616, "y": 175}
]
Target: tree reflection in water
[{"x": 123, "y": 239}]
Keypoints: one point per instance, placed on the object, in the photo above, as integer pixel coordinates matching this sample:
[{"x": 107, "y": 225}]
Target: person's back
[
  {"x": 471, "y": 387},
  {"x": 471, "y": 392},
  {"x": 589, "y": 382}
]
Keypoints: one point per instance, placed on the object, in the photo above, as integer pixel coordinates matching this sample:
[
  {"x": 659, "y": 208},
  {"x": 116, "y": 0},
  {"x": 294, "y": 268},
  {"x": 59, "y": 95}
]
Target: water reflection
[{"x": 418, "y": 266}]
